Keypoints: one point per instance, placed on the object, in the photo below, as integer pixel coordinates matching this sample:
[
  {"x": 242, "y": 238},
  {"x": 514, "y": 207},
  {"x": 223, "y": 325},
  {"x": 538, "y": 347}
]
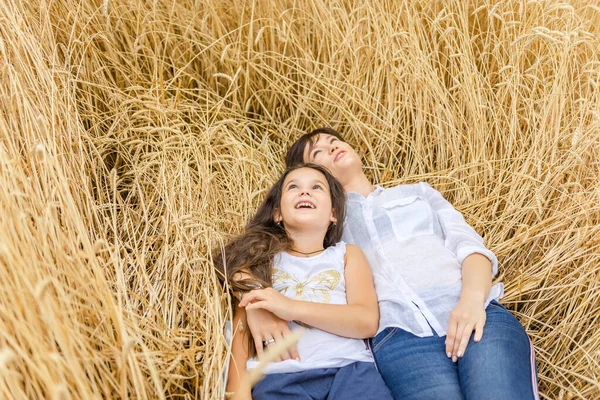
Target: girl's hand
[
  {"x": 243, "y": 393},
  {"x": 468, "y": 315},
  {"x": 264, "y": 325},
  {"x": 240, "y": 396},
  {"x": 271, "y": 300}
]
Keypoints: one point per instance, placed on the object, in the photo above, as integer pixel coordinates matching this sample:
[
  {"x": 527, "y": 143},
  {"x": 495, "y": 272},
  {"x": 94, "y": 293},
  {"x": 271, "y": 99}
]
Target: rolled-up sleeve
[{"x": 459, "y": 237}]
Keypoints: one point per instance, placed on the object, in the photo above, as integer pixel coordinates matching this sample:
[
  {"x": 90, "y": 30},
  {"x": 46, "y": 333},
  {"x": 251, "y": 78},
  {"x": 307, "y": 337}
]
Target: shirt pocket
[{"x": 410, "y": 217}]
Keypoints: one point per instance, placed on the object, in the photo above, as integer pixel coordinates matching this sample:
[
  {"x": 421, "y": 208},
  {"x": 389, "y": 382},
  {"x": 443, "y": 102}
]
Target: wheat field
[{"x": 137, "y": 136}]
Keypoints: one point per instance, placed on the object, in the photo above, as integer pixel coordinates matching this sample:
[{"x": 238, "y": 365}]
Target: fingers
[
  {"x": 479, "y": 330},
  {"x": 257, "y": 305},
  {"x": 252, "y": 297},
  {"x": 265, "y": 326},
  {"x": 294, "y": 353},
  {"x": 464, "y": 319},
  {"x": 450, "y": 337},
  {"x": 291, "y": 353},
  {"x": 264, "y": 341},
  {"x": 292, "y": 350},
  {"x": 258, "y": 344},
  {"x": 464, "y": 340},
  {"x": 284, "y": 355},
  {"x": 457, "y": 339}
]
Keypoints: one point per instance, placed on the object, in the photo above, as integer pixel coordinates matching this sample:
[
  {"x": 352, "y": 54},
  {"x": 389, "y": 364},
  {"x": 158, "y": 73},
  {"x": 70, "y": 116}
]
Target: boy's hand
[{"x": 468, "y": 316}]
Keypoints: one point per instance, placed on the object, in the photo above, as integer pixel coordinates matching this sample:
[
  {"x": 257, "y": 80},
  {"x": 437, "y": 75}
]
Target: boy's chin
[{"x": 345, "y": 168}]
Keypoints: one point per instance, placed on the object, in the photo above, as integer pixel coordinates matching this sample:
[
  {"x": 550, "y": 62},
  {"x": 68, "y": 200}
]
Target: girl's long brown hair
[{"x": 248, "y": 259}]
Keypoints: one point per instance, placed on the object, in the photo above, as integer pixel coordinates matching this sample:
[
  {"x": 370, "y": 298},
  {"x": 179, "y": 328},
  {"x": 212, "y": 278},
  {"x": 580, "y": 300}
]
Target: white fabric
[
  {"x": 319, "y": 279},
  {"x": 415, "y": 242}
]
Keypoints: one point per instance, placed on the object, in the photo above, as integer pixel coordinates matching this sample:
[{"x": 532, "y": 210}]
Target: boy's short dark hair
[{"x": 295, "y": 154}]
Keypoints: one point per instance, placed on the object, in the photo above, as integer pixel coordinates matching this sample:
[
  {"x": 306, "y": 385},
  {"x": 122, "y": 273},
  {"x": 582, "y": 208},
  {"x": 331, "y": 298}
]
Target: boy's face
[{"x": 335, "y": 155}]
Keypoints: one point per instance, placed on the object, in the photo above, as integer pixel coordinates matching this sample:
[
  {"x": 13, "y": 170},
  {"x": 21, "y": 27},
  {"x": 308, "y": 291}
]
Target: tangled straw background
[{"x": 136, "y": 137}]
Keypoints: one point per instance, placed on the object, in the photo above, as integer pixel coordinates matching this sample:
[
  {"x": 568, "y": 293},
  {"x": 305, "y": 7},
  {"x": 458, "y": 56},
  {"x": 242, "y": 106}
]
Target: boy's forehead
[
  {"x": 321, "y": 137},
  {"x": 313, "y": 141}
]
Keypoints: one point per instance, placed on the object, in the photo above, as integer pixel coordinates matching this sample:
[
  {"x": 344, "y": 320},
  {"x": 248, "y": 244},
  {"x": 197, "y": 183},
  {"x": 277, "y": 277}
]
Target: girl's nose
[{"x": 305, "y": 192}]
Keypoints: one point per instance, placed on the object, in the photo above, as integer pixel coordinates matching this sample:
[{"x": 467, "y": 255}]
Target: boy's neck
[{"x": 359, "y": 184}]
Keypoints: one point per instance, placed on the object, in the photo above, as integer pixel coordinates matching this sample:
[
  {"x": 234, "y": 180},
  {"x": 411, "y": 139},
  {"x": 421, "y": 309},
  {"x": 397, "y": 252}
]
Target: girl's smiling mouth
[{"x": 305, "y": 204}]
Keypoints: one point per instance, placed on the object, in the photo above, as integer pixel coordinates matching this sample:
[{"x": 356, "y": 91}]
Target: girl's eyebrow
[
  {"x": 312, "y": 182},
  {"x": 319, "y": 181}
]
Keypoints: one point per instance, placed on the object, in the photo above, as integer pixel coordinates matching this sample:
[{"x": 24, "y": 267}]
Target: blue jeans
[
  {"x": 359, "y": 380},
  {"x": 500, "y": 366}
]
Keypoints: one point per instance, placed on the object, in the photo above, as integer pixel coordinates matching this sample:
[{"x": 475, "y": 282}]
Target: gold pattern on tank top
[{"x": 316, "y": 288}]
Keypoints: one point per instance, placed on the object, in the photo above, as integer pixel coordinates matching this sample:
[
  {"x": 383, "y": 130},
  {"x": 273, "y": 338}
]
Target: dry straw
[{"x": 136, "y": 137}]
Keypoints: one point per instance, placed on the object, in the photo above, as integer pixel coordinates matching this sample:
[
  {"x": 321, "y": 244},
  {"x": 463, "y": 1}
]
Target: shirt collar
[{"x": 359, "y": 197}]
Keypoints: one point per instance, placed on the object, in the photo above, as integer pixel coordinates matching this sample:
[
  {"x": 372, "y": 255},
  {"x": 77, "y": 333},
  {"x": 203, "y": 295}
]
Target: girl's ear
[
  {"x": 277, "y": 216},
  {"x": 333, "y": 218}
]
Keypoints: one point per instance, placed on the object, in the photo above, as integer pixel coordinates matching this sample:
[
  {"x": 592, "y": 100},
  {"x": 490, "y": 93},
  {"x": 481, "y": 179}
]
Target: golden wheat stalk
[{"x": 136, "y": 137}]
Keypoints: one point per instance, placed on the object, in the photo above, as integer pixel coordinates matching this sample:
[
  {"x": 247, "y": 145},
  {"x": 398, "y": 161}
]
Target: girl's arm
[
  {"x": 264, "y": 325},
  {"x": 237, "y": 380},
  {"x": 357, "y": 319}
]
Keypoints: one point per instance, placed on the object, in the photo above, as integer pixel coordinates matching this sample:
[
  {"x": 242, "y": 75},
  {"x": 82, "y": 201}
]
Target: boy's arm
[
  {"x": 478, "y": 265},
  {"x": 237, "y": 378},
  {"x": 469, "y": 314}
]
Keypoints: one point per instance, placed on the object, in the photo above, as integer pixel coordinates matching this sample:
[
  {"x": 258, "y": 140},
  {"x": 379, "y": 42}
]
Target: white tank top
[{"x": 319, "y": 279}]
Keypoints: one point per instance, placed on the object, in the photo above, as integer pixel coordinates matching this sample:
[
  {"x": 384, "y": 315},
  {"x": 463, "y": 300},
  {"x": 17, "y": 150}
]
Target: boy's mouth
[{"x": 339, "y": 155}]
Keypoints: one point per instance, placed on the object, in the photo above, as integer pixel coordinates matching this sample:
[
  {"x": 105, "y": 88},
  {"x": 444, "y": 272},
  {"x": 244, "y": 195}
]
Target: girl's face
[
  {"x": 305, "y": 201},
  {"x": 337, "y": 156}
]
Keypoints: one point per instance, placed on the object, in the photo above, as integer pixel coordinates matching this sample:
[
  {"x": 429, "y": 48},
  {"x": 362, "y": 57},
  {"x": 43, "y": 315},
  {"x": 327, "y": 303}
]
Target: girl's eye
[
  {"x": 318, "y": 187},
  {"x": 315, "y": 153},
  {"x": 292, "y": 186}
]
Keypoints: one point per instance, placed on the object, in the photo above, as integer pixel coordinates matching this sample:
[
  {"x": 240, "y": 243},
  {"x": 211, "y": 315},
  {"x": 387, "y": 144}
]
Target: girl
[
  {"x": 292, "y": 249},
  {"x": 434, "y": 284}
]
